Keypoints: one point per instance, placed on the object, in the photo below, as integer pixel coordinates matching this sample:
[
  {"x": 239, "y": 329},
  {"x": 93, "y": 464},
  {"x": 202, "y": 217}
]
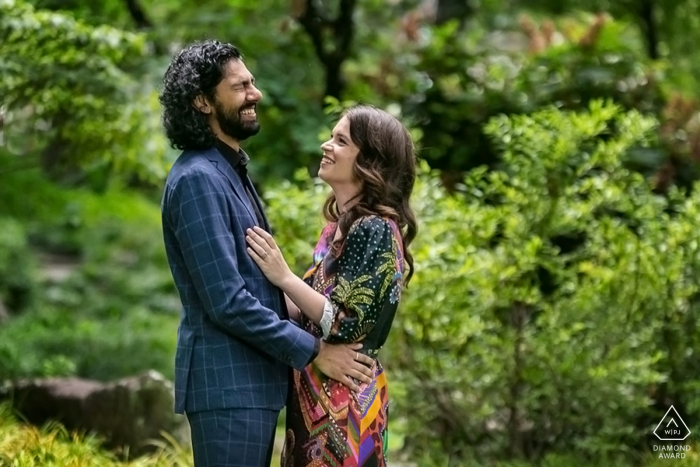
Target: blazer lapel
[{"x": 225, "y": 168}]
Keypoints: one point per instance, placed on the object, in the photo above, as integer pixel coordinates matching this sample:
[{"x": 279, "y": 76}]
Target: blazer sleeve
[{"x": 200, "y": 218}]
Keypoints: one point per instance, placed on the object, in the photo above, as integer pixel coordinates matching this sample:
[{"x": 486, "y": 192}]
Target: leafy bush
[
  {"x": 53, "y": 446},
  {"x": 119, "y": 299},
  {"x": 17, "y": 268},
  {"x": 76, "y": 96},
  {"x": 535, "y": 322},
  {"x": 464, "y": 77},
  {"x": 65, "y": 342},
  {"x": 295, "y": 214}
]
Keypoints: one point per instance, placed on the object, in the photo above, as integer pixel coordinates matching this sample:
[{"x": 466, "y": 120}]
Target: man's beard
[{"x": 231, "y": 124}]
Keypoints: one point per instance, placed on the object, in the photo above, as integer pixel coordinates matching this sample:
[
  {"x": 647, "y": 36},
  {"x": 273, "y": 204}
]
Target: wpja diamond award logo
[{"x": 672, "y": 428}]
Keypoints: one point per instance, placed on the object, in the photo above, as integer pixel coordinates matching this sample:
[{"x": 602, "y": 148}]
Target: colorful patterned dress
[{"x": 327, "y": 424}]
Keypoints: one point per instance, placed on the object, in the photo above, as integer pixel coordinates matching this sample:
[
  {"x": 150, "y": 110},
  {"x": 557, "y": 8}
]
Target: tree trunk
[
  {"x": 334, "y": 78},
  {"x": 453, "y": 9},
  {"x": 138, "y": 14},
  {"x": 332, "y": 40},
  {"x": 647, "y": 9}
]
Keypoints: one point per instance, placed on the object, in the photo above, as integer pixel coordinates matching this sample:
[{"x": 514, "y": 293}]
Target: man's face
[{"x": 235, "y": 102}]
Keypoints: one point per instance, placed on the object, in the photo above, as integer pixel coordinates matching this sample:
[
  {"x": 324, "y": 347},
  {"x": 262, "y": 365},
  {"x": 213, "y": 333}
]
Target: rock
[{"x": 130, "y": 412}]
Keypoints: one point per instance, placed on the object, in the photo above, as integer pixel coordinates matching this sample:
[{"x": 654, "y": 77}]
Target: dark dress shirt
[{"x": 239, "y": 162}]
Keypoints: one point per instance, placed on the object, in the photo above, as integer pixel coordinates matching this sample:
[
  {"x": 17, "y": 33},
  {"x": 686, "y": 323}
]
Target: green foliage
[
  {"x": 471, "y": 82},
  {"x": 69, "y": 342},
  {"x": 54, "y": 446},
  {"x": 446, "y": 79},
  {"x": 76, "y": 95},
  {"x": 541, "y": 295},
  {"x": 294, "y": 212},
  {"x": 113, "y": 12},
  {"x": 17, "y": 267},
  {"x": 649, "y": 459},
  {"x": 667, "y": 28},
  {"x": 118, "y": 297}
]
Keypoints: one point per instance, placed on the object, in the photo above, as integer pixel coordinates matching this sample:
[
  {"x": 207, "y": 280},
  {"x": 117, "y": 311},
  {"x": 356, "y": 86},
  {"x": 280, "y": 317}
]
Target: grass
[{"x": 52, "y": 446}]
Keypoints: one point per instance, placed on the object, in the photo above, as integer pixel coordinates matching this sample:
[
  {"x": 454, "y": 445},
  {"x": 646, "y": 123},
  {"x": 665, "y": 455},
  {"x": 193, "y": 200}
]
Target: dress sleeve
[{"x": 368, "y": 276}]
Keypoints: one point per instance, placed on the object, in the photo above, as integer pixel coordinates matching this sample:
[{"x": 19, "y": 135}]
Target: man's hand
[{"x": 344, "y": 362}]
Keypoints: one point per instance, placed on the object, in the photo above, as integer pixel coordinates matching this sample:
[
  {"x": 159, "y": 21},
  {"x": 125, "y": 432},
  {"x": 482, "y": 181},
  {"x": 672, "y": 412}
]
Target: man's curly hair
[{"x": 196, "y": 70}]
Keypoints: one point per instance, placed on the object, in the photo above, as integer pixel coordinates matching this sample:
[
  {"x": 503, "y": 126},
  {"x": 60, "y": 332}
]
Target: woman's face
[{"x": 339, "y": 154}]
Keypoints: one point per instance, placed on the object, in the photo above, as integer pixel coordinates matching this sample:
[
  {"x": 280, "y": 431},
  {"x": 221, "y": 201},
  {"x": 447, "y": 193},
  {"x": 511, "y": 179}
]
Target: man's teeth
[{"x": 248, "y": 112}]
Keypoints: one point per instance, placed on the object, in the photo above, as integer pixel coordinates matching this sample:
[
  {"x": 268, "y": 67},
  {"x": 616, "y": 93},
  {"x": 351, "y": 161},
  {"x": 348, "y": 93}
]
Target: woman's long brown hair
[{"x": 386, "y": 167}]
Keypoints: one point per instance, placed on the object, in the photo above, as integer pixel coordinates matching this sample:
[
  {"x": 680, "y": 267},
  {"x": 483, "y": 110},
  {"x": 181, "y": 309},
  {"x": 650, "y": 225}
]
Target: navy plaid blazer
[{"x": 234, "y": 343}]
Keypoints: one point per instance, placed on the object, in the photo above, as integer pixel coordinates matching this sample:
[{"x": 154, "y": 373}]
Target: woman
[{"x": 351, "y": 292}]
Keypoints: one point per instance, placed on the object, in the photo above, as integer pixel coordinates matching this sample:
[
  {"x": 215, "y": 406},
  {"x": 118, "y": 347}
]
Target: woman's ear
[{"x": 202, "y": 104}]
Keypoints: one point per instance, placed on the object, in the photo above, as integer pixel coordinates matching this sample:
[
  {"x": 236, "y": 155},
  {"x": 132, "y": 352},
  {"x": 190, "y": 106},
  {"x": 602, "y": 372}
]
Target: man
[{"x": 235, "y": 343}]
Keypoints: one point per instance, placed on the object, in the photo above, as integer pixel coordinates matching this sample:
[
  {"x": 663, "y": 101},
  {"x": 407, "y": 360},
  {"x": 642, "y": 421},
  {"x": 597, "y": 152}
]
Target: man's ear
[{"x": 202, "y": 104}]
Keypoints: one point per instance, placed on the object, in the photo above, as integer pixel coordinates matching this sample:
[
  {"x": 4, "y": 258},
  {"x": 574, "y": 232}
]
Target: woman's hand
[{"x": 264, "y": 251}]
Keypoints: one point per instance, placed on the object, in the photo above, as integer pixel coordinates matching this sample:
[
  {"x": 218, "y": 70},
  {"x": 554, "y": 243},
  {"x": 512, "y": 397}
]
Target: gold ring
[{"x": 357, "y": 355}]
